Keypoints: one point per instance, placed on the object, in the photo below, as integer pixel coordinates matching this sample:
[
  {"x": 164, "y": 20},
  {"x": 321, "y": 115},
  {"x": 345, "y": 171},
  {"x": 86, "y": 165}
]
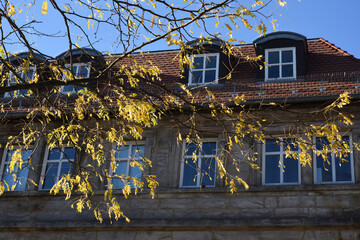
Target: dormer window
[
  {"x": 281, "y": 63},
  {"x": 80, "y": 71},
  {"x": 26, "y": 75},
  {"x": 205, "y": 68}
]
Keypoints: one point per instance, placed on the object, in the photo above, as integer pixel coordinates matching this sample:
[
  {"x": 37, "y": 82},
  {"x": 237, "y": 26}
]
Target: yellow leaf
[
  {"x": 228, "y": 27},
  {"x": 44, "y": 8},
  {"x": 67, "y": 8}
]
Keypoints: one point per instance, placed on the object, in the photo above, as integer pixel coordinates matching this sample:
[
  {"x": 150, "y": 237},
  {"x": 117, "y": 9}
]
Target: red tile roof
[{"x": 330, "y": 71}]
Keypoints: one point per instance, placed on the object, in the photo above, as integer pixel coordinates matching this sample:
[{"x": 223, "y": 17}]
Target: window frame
[
  {"x": 46, "y": 161},
  {"x": 77, "y": 65},
  {"x": 280, "y": 64},
  {"x": 281, "y": 152},
  {"x": 22, "y": 75},
  {"x": 191, "y": 69},
  {"x": 199, "y": 157},
  {"x": 333, "y": 167},
  {"x": 3, "y": 163},
  {"x": 128, "y": 160}
]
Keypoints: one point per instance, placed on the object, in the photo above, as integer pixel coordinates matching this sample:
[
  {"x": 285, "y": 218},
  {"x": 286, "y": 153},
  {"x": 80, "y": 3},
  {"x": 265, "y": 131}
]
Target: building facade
[{"x": 317, "y": 201}]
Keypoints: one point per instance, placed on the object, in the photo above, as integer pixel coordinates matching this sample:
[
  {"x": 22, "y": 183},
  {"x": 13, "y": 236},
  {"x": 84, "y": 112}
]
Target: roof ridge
[
  {"x": 334, "y": 46},
  {"x": 338, "y": 49}
]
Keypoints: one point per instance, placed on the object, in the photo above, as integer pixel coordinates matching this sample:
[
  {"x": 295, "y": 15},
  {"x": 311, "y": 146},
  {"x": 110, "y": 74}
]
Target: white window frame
[
  {"x": 280, "y": 64},
  {"x": 21, "y": 73},
  {"x": 128, "y": 159},
  {"x": 333, "y": 165},
  {"x": 77, "y": 65},
  {"x": 281, "y": 153},
  {"x": 204, "y": 69},
  {"x": 46, "y": 161},
  {"x": 199, "y": 157},
  {"x": 16, "y": 168}
]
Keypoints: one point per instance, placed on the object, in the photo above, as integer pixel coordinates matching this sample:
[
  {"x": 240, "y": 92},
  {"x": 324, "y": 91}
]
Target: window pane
[
  {"x": 323, "y": 169},
  {"x": 122, "y": 152},
  {"x": 137, "y": 151},
  {"x": 68, "y": 88},
  {"x": 22, "y": 179},
  {"x": 208, "y": 171},
  {"x": 288, "y": 143},
  {"x": 54, "y": 154},
  {"x": 272, "y": 170},
  {"x": 273, "y": 72},
  {"x": 210, "y": 76},
  {"x": 197, "y": 76},
  {"x": 272, "y": 146},
  {"x": 211, "y": 62},
  {"x": 291, "y": 170},
  {"x": 209, "y": 148},
  {"x": 69, "y": 153},
  {"x": 50, "y": 175},
  {"x": 83, "y": 71},
  {"x": 121, "y": 169},
  {"x": 66, "y": 168},
  {"x": 287, "y": 56},
  {"x": 135, "y": 172},
  {"x": 320, "y": 142},
  {"x": 7, "y": 177},
  {"x": 29, "y": 75},
  {"x": 190, "y": 148},
  {"x": 287, "y": 71},
  {"x": 343, "y": 169},
  {"x": 273, "y": 57},
  {"x": 190, "y": 171},
  {"x": 198, "y": 63},
  {"x": 78, "y": 88}
]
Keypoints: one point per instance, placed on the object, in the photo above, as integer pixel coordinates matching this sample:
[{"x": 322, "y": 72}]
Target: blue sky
[{"x": 334, "y": 20}]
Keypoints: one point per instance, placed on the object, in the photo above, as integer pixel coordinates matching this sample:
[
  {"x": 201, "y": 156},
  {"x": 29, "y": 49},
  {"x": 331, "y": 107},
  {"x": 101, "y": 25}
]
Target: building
[{"x": 311, "y": 202}]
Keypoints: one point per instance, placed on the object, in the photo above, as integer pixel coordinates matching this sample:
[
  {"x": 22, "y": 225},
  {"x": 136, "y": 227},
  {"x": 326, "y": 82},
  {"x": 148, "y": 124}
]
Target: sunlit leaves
[{"x": 44, "y": 9}]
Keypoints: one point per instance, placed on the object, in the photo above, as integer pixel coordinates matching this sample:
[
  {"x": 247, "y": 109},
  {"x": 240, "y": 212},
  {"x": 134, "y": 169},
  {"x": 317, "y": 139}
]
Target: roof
[{"x": 330, "y": 71}]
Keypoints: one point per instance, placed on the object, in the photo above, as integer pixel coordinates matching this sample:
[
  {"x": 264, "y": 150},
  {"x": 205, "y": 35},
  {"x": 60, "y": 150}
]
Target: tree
[{"x": 119, "y": 101}]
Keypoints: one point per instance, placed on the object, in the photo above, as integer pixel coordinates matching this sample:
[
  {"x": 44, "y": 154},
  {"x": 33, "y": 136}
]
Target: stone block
[
  {"x": 191, "y": 235},
  {"x": 271, "y": 202},
  {"x": 215, "y": 203},
  {"x": 156, "y": 214},
  {"x": 176, "y": 203},
  {"x": 241, "y": 202},
  {"x": 291, "y": 212},
  {"x": 145, "y": 203},
  {"x": 333, "y": 201}
]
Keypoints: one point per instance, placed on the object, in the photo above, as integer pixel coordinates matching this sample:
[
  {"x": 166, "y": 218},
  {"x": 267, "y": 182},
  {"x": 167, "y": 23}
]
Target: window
[
  {"x": 200, "y": 173},
  {"x": 281, "y": 63},
  {"x": 80, "y": 70},
  {"x": 125, "y": 157},
  {"x": 57, "y": 163},
  {"x": 26, "y": 75},
  {"x": 278, "y": 169},
  {"x": 205, "y": 68},
  {"x": 333, "y": 169},
  {"x": 17, "y": 178}
]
